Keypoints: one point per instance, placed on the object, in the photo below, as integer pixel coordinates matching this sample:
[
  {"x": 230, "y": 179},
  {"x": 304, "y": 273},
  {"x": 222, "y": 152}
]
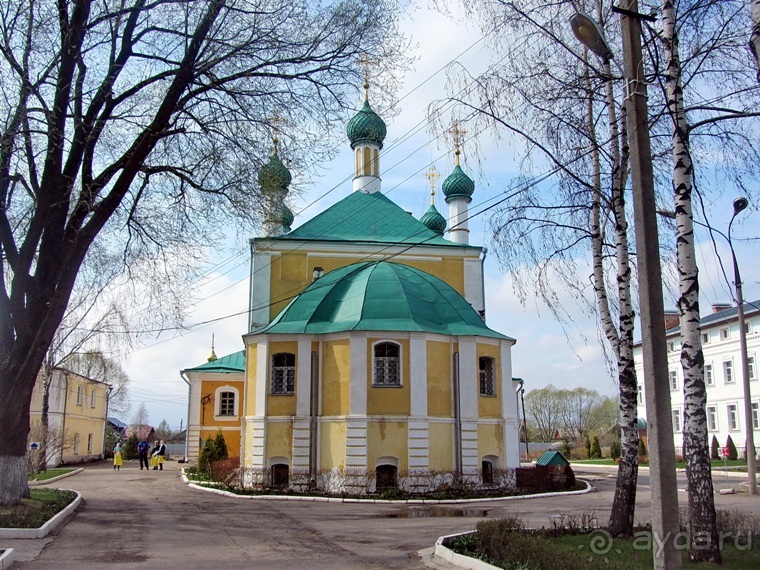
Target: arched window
[
  {"x": 367, "y": 162},
  {"x": 387, "y": 365},
  {"x": 487, "y": 384},
  {"x": 79, "y": 395},
  {"x": 376, "y": 163},
  {"x": 358, "y": 166},
  {"x": 386, "y": 477},
  {"x": 283, "y": 373},
  {"x": 487, "y": 466}
]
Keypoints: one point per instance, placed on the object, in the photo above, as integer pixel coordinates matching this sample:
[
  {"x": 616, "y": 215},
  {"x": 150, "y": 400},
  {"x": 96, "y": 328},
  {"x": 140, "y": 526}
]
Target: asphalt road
[{"x": 136, "y": 518}]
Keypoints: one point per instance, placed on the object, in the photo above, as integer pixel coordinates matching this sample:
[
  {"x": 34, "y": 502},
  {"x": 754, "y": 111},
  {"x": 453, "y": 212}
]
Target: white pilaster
[
  {"x": 419, "y": 444},
  {"x": 473, "y": 283},
  {"x": 258, "y": 443},
  {"x": 303, "y": 377},
  {"x": 418, "y": 381},
  {"x": 262, "y": 381},
  {"x": 509, "y": 408},
  {"x": 261, "y": 277},
  {"x": 301, "y": 429},
  {"x": 356, "y": 443},
  {"x": 470, "y": 459},
  {"x": 358, "y": 370}
]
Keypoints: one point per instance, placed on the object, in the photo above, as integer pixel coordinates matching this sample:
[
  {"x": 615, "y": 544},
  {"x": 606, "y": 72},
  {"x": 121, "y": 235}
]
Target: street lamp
[
  {"x": 664, "y": 490},
  {"x": 739, "y": 205}
]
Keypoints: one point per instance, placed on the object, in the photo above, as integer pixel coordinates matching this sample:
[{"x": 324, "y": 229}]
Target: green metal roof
[
  {"x": 367, "y": 218},
  {"x": 234, "y": 362},
  {"x": 380, "y": 296},
  {"x": 552, "y": 458}
]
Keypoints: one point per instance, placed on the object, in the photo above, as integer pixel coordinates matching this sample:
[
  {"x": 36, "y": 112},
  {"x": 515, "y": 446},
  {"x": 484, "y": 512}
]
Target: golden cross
[
  {"x": 366, "y": 62},
  {"x": 458, "y": 133},
  {"x": 277, "y": 121},
  {"x": 432, "y": 175}
]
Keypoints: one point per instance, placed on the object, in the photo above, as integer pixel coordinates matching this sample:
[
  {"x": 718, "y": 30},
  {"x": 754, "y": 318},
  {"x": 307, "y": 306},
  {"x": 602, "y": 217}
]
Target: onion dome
[
  {"x": 366, "y": 126},
  {"x": 287, "y": 218},
  {"x": 433, "y": 220},
  {"x": 274, "y": 175},
  {"x": 458, "y": 185}
]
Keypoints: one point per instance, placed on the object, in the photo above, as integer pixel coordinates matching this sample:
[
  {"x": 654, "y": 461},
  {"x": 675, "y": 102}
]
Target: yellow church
[{"x": 368, "y": 358}]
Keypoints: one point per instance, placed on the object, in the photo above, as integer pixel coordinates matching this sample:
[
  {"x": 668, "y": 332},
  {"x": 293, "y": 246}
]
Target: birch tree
[
  {"x": 754, "y": 37},
  {"x": 139, "y": 125},
  {"x": 549, "y": 94}
]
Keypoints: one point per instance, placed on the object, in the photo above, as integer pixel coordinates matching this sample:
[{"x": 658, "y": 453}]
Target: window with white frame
[
  {"x": 92, "y": 398},
  {"x": 733, "y": 417},
  {"x": 89, "y": 443},
  {"x": 712, "y": 418},
  {"x": 486, "y": 370},
  {"x": 748, "y": 327},
  {"x": 676, "y": 421},
  {"x": 227, "y": 402},
  {"x": 755, "y": 420},
  {"x": 640, "y": 394},
  {"x": 725, "y": 333},
  {"x": 387, "y": 365},
  {"x": 709, "y": 378},
  {"x": 751, "y": 367},
  {"x": 728, "y": 372},
  {"x": 283, "y": 373},
  {"x": 673, "y": 375},
  {"x": 705, "y": 338},
  {"x": 76, "y": 444},
  {"x": 79, "y": 395}
]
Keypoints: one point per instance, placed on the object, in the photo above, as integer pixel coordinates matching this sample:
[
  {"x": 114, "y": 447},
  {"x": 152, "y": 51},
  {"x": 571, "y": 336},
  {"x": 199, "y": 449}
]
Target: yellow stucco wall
[
  {"x": 490, "y": 406},
  {"x": 209, "y": 409},
  {"x": 439, "y": 379},
  {"x": 279, "y": 439},
  {"x": 335, "y": 377},
  {"x": 491, "y": 441},
  {"x": 441, "y": 452},
  {"x": 247, "y": 459},
  {"x": 289, "y": 276},
  {"x": 387, "y": 399},
  {"x": 332, "y": 452},
  {"x": 83, "y": 427},
  {"x": 231, "y": 438},
  {"x": 281, "y": 404},
  {"x": 387, "y": 439},
  {"x": 250, "y": 374}
]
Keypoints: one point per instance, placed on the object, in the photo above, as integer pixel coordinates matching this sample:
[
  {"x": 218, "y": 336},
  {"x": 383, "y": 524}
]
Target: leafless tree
[
  {"x": 138, "y": 125},
  {"x": 544, "y": 410}
]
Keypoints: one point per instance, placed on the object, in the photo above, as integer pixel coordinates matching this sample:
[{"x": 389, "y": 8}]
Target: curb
[
  {"x": 46, "y": 528},
  {"x": 192, "y": 485},
  {"x": 53, "y": 479},
  {"x": 6, "y": 559},
  {"x": 460, "y": 560}
]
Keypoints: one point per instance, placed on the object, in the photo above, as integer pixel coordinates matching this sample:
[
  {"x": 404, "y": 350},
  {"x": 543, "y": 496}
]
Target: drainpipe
[
  {"x": 483, "y": 283},
  {"x": 457, "y": 419},
  {"x": 63, "y": 421},
  {"x": 521, "y": 392},
  {"x": 313, "y": 411},
  {"x": 187, "y": 429}
]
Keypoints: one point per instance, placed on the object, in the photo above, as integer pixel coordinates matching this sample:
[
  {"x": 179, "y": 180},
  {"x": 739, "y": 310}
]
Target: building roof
[
  {"x": 380, "y": 296},
  {"x": 721, "y": 316},
  {"x": 234, "y": 362},
  {"x": 367, "y": 218},
  {"x": 116, "y": 422},
  {"x": 552, "y": 458}
]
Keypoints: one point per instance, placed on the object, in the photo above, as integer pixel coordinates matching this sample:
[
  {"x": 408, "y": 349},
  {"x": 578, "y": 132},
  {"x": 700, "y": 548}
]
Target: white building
[{"x": 723, "y": 374}]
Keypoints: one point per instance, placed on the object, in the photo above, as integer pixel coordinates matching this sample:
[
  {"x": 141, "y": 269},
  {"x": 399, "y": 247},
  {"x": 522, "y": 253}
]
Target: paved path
[{"x": 139, "y": 518}]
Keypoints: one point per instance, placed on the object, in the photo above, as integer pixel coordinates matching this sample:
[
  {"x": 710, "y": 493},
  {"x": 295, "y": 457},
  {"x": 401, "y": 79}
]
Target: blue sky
[{"x": 545, "y": 352}]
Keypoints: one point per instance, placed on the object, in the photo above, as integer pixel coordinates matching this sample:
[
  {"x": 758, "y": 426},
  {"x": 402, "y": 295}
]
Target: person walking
[
  {"x": 154, "y": 454},
  {"x": 117, "y": 459},
  {"x": 161, "y": 454},
  {"x": 143, "y": 447}
]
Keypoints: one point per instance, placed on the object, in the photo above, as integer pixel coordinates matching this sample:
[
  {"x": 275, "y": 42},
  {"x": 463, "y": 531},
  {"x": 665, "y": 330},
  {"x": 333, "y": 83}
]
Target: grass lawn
[
  {"x": 505, "y": 544},
  {"x": 37, "y": 510},
  {"x": 716, "y": 463},
  {"x": 49, "y": 474}
]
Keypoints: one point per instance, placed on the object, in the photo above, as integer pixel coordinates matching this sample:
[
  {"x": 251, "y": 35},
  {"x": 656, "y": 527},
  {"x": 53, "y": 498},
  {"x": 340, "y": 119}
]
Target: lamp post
[
  {"x": 665, "y": 523},
  {"x": 739, "y": 205}
]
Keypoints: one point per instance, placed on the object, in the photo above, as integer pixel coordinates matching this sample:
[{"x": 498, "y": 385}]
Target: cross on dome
[
  {"x": 366, "y": 62},
  {"x": 458, "y": 132},
  {"x": 432, "y": 175}
]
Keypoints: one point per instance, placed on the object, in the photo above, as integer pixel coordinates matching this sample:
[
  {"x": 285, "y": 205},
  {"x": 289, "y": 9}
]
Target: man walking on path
[{"x": 142, "y": 451}]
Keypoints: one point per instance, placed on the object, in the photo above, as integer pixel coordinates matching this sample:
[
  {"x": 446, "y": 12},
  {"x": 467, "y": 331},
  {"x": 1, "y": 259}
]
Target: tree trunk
[
  {"x": 702, "y": 519},
  {"x": 13, "y": 479},
  {"x": 754, "y": 38},
  {"x": 14, "y": 419}
]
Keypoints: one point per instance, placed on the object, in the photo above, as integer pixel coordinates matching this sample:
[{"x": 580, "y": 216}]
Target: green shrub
[
  {"x": 615, "y": 449},
  {"x": 596, "y": 449},
  {"x": 733, "y": 455},
  {"x": 714, "y": 447},
  {"x": 129, "y": 449},
  {"x": 565, "y": 449},
  {"x": 213, "y": 450},
  {"x": 588, "y": 447}
]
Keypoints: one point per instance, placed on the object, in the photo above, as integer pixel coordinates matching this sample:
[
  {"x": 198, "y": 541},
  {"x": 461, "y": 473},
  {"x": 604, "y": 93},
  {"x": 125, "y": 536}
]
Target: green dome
[
  {"x": 366, "y": 126},
  {"x": 457, "y": 185},
  {"x": 433, "y": 220},
  {"x": 380, "y": 296},
  {"x": 274, "y": 175},
  {"x": 287, "y": 218}
]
